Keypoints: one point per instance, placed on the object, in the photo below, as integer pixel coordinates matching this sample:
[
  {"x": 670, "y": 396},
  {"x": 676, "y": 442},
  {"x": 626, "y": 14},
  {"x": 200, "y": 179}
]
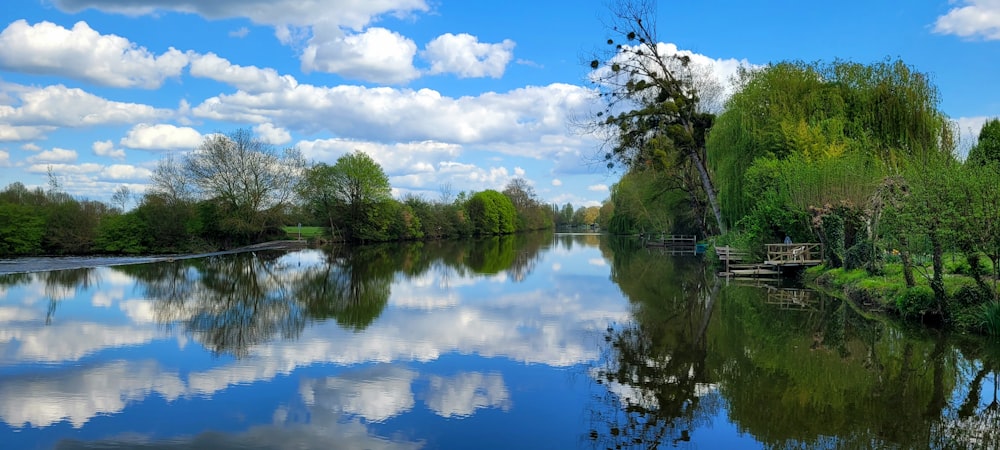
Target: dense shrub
[
  {"x": 915, "y": 301},
  {"x": 491, "y": 213}
]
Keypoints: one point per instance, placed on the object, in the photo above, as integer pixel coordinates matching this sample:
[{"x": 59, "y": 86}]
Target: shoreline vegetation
[
  {"x": 856, "y": 156},
  {"x": 968, "y": 307},
  {"x": 201, "y": 204}
]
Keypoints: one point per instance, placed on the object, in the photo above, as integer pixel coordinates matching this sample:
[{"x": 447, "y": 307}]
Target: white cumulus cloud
[
  {"x": 325, "y": 30},
  {"x": 463, "y": 55},
  {"x": 56, "y": 155},
  {"x": 598, "y": 188},
  {"x": 83, "y": 53},
  {"x": 107, "y": 148},
  {"x": 272, "y": 134},
  {"x": 250, "y": 78},
  {"x": 125, "y": 172},
  {"x": 58, "y": 105},
  {"x": 971, "y": 19},
  {"x": 10, "y": 133},
  {"x": 526, "y": 115},
  {"x": 377, "y": 54},
  {"x": 161, "y": 137}
]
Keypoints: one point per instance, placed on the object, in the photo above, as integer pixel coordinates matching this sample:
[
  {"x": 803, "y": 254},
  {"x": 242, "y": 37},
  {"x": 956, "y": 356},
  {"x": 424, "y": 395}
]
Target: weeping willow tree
[{"x": 880, "y": 116}]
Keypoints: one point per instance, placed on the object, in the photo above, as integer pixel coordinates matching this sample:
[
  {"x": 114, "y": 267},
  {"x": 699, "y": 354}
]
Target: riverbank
[
  {"x": 47, "y": 263},
  {"x": 967, "y": 308}
]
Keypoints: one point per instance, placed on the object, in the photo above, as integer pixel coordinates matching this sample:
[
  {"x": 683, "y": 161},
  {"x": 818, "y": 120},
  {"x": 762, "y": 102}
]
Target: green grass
[{"x": 307, "y": 232}]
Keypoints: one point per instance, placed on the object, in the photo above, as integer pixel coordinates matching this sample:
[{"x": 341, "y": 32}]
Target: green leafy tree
[
  {"x": 71, "y": 226},
  {"x": 121, "y": 233},
  {"x": 353, "y": 196},
  {"x": 491, "y": 213},
  {"x": 987, "y": 148},
  {"x": 21, "y": 229}
]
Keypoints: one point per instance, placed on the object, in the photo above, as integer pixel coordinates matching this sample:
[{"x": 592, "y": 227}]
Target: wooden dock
[
  {"x": 779, "y": 256},
  {"x": 735, "y": 265},
  {"x": 675, "y": 244}
]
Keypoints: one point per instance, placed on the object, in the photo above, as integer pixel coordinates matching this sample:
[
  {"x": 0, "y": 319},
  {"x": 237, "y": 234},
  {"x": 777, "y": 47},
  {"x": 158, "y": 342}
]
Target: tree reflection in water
[
  {"x": 232, "y": 303},
  {"x": 658, "y": 389},
  {"x": 810, "y": 372}
]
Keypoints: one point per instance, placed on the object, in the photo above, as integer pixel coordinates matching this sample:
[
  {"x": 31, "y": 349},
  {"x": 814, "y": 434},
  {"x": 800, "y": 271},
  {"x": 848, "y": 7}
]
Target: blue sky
[{"x": 463, "y": 94}]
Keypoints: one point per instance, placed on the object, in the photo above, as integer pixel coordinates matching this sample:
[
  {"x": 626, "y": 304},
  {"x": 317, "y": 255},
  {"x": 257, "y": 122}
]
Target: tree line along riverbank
[{"x": 857, "y": 156}]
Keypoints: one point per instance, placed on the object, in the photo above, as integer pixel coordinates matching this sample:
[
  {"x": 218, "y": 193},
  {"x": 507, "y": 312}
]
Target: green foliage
[
  {"x": 404, "y": 225},
  {"x": 989, "y": 318},
  {"x": 877, "y": 116},
  {"x": 863, "y": 255},
  {"x": 647, "y": 201},
  {"x": 122, "y": 233},
  {"x": 532, "y": 214},
  {"x": 915, "y": 302},
  {"x": 169, "y": 226},
  {"x": 353, "y": 197},
  {"x": 21, "y": 229},
  {"x": 987, "y": 148},
  {"x": 621, "y": 224},
  {"x": 491, "y": 213},
  {"x": 971, "y": 296},
  {"x": 71, "y": 226},
  {"x": 833, "y": 229}
]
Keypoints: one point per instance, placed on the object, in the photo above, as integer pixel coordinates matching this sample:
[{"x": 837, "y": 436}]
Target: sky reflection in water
[
  {"x": 527, "y": 342},
  {"x": 152, "y": 356}
]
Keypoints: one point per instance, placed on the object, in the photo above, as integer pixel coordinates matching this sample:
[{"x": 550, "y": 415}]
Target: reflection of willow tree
[
  {"x": 351, "y": 286},
  {"x": 826, "y": 376},
  {"x": 655, "y": 369}
]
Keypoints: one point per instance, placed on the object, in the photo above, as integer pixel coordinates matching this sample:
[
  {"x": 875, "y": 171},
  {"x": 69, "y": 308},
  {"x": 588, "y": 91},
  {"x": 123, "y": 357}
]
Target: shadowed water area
[{"x": 532, "y": 341}]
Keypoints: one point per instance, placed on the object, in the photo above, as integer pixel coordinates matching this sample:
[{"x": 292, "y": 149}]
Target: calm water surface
[{"x": 541, "y": 341}]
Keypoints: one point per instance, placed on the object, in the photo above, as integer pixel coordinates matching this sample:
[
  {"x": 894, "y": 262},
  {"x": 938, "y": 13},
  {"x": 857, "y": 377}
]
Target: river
[{"x": 531, "y": 341}]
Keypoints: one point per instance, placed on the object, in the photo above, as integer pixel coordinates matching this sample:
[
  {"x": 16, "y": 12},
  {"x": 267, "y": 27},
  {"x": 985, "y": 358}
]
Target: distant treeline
[{"x": 235, "y": 190}]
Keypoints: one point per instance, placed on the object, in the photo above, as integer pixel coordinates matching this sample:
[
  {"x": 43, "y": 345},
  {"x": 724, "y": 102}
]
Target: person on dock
[{"x": 788, "y": 240}]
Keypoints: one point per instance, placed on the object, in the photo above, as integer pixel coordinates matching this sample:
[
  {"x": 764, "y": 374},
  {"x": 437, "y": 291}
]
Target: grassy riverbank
[{"x": 969, "y": 307}]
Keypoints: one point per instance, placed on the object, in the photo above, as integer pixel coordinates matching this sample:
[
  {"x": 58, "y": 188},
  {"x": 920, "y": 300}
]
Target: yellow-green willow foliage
[{"x": 812, "y": 114}]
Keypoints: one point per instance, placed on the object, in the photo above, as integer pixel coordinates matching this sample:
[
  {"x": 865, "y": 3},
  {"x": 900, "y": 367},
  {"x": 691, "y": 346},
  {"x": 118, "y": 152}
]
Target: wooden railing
[
  {"x": 806, "y": 254},
  {"x": 675, "y": 244},
  {"x": 730, "y": 254}
]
